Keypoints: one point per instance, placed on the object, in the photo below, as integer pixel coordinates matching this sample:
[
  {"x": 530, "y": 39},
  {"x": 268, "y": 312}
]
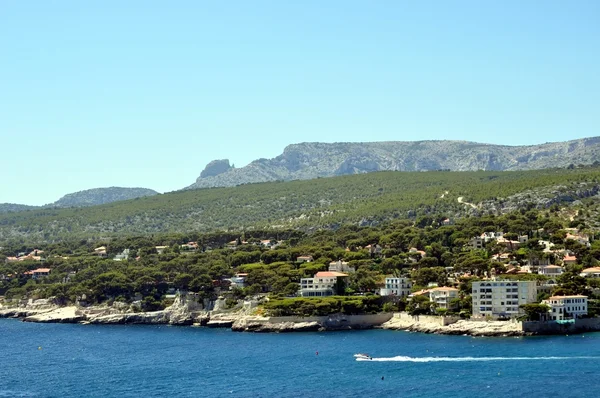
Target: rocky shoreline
[
  {"x": 187, "y": 312},
  {"x": 456, "y": 327}
]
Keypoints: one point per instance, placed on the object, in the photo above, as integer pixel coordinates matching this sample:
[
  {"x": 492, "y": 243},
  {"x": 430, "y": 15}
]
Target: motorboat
[{"x": 362, "y": 356}]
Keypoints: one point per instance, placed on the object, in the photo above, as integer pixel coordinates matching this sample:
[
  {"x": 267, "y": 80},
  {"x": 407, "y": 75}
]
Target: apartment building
[
  {"x": 396, "y": 286},
  {"x": 501, "y": 299}
]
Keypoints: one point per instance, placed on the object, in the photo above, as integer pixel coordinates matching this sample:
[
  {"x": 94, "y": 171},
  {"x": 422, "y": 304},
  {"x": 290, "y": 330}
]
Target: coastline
[{"x": 186, "y": 312}]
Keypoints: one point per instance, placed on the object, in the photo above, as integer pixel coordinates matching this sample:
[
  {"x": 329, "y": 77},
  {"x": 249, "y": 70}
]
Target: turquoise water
[{"x": 54, "y": 360}]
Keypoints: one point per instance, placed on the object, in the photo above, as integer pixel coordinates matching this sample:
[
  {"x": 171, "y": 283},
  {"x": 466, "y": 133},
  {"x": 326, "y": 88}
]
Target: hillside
[
  {"x": 12, "y": 207},
  {"x": 89, "y": 197},
  {"x": 363, "y": 199},
  {"x": 100, "y": 196},
  {"x": 311, "y": 160}
]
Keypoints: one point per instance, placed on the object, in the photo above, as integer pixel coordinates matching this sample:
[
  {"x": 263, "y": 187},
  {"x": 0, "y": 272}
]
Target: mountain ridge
[
  {"x": 85, "y": 198},
  {"x": 308, "y": 160}
]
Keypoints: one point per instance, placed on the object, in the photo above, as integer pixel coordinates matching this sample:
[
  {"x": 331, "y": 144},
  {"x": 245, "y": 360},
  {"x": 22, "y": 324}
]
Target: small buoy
[
  {"x": 381, "y": 377},
  {"x": 40, "y": 347}
]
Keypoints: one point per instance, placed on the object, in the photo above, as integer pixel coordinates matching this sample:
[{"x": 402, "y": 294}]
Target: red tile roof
[{"x": 323, "y": 274}]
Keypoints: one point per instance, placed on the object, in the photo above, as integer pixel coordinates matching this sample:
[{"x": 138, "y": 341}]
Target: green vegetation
[
  {"x": 324, "y": 306},
  {"x": 79, "y": 274},
  {"x": 366, "y": 199},
  {"x": 343, "y": 217}
]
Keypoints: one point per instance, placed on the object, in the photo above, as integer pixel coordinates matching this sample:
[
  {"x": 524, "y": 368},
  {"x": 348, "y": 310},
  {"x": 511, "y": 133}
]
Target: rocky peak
[{"x": 215, "y": 168}]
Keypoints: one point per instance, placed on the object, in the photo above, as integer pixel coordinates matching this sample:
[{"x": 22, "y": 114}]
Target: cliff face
[
  {"x": 312, "y": 160},
  {"x": 215, "y": 168}
]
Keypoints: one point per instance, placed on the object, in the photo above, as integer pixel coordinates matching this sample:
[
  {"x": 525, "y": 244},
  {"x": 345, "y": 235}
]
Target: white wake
[{"x": 468, "y": 359}]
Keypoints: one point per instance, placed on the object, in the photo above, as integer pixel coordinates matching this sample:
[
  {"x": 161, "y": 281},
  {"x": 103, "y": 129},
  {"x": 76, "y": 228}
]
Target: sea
[{"x": 62, "y": 360}]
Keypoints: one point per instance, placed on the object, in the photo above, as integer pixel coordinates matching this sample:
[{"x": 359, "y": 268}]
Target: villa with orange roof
[
  {"x": 593, "y": 272},
  {"x": 324, "y": 283}
]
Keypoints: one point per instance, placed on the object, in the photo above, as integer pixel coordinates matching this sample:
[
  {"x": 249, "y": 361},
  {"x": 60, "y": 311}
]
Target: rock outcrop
[
  {"x": 259, "y": 324},
  {"x": 459, "y": 327},
  {"x": 59, "y": 315},
  {"x": 215, "y": 168},
  {"x": 314, "y": 159}
]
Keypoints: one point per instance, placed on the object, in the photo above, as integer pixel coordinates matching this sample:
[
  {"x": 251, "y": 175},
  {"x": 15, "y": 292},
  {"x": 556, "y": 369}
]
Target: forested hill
[
  {"x": 363, "y": 199},
  {"x": 89, "y": 197},
  {"x": 99, "y": 196},
  {"x": 311, "y": 160}
]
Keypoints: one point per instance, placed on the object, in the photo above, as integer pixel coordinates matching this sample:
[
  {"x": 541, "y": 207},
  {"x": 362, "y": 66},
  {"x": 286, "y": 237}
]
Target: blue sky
[{"x": 145, "y": 93}]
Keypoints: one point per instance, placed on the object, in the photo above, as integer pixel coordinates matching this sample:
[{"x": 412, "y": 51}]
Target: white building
[
  {"x": 476, "y": 243},
  {"x": 239, "y": 281},
  {"x": 396, "y": 286},
  {"x": 123, "y": 256},
  {"x": 567, "y": 307},
  {"x": 442, "y": 296},
  {"x": 322, "y": 284},
  {"x": 501, "y": 299},
  {"x": 593, "y": 272},
  {"x": 340, "y": 266},
  {"x": 550, "y": 270}
]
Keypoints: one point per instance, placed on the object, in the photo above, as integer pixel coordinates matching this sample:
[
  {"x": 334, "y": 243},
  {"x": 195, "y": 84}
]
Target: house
[
  {"x": 123, "y": 256},
  {"x": 395, "y": 286},
  {"x": 374, "y": 250},
  {"x": 304, "y": 259},
  {"x": 266, "y": 243},
  {"x": 593, "y": 272},
  {"x": 100, "y": 251},
  {"x": 567, "y": 307},
  {"x": 232, "y": 245},
  {"x": 569, "y": 260},
  {"x": 190, "y": 246},
  {"x": 39, "y": 272},
  {"x": 419, "y": 293},
  {"x": 476, "y": 242},
  {"x": 583, "y": 239},
  {"x": 415, "y": 255},
  {"x": 488, "y": 236},
  {"x": 239, "y": 281},
  {"x": 510, "y": 244},
  {"x": 161, "y": 249},
  {"x": 340, "y": 266},
  {"x": 501, "y": 299},
  {"x": 550, "y": 270},
  {"x": 523, "y": 239},
  {"x": 442, "y": 297},
  {"x": 323, "y": 284}
]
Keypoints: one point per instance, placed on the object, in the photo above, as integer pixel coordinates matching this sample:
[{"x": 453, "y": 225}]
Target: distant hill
[
  {"x": 312, "y": 160},
  {"x": 12, "y": 207},
  {"x": 362, "y": 199},
  {"x": 89, "y": 197},
  {"x": 100, "y": 196}
]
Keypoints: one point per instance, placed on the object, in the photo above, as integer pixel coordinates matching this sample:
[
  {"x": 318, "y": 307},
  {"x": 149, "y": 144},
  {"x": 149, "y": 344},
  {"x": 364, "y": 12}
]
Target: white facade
[
  {"x": 550, "y": 270},
  {"x": 442, "y": 296},
  {"x": 322, "y": 284},
  {"x": 567, "y": 307},
  {"x": 593, "y": 272},
  {"x": 396, "y": 286},
  {"x": 501, "y": 298}
]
